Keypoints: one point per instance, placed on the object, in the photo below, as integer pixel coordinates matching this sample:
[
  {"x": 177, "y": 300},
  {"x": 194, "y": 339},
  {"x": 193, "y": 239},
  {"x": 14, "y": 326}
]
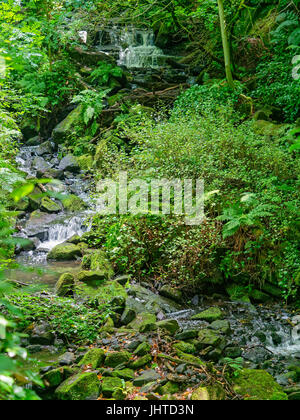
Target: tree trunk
[{"x": 225, "y": 45}]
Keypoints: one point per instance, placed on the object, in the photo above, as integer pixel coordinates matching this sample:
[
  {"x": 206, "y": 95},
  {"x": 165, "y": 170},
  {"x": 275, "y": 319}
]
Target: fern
[{"x": 105, "y": 73}]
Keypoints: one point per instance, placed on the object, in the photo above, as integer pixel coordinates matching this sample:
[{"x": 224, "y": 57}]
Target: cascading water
[{"x": 135, "y": 47}]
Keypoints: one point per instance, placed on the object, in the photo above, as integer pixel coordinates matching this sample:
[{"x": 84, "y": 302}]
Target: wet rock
[
  {"x": 256, "y": 355},
  {"x": 44, "y": 149},
  {"x": 42, "y": 335},
  {"x": 258, "y": 385},
  {"x": 64, "y": 252},
  {"x": 171, "y": 293},
  {"x": 38, "y": 224},
  {"x": 67, "y": 359},
  {"x": 64, "y": 129},
  {"x": 233, "y": 352},
  {"x": 128, "y": 316},
  {"x": 188, "y": 348},
  {"x": 49, "y": 206},
  {"x": 208, "y": 338},
  {"x": 223, "y": 327},
  {"x": 33, "y": 141},
  {"x": 83, "y": 386},
  {"x": 93, "y": 358},
  {"x": 69, "y": 164},
  {"x": 142, "y": 320},
  {"x": 65, "y": 285},
  {"x": 277, "y": 339},
  {"x": 210, "y": 315},
  {"x": 115, "y": 359},
  {"x": 170, "y": 325},
  {"x": 24, "y": 244},
  {"x": 40, "y": 165},
  {"x": 146, "y": 378},
  {"x": 187, "y": 335},
  {"x": 92, "y": 278},
  {"x": 73, "y": 204}
]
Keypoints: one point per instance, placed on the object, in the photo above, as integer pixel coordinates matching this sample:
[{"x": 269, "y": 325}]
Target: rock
[
  {"x": 67, "y": 359},
  {"x": 142, "y": 320},
  {"x": 187, "y": 335},
  {"x": 171, "y": 293},
  {"x": 210, "y": 315},
  {"x": 169, "y": 388},
  {"x": 126, "y": 374},
  {"x": 116, "y": 359},
  {"x": 45, "y": 148},
  {"x": 42, "y": 335},
  {"x": 123, "y": 280},
  {"x": 258, "y": 385},
  {"x": 189, "y": 358},
  {"x": 24, "y": 244},
  {"x": 83, "y": 386},
  {"x": 94, "y": 358},
  {"x": 35, "y": 198},
  {"x": 188, "y": 348},
  {"x": 92, "y": 278},
  {"x": 40, "y": 165},
  {"x": 33, "y": 141},
  {"x": 237, "y": 293},
  {"x": 259, "y": 297},
  {"x": 97, "y": 261},
  {"x": 147, "y": 377},
  {"x": 110, "y": 385},
  {"x": 54, "y": 377},
  {"x": 118, "y": 302},
  {"x": 71, "y": 203},
  {"x": 233, "y": 352},
  {"x": 169, "y": 325},
  {"x": 208, "y": 338},
  {"x": 272, "y": 290},
  {"x": 85, "y": 162},
  {"x": 64, "y": 252},
  {"x": 69, "y": 164},
  {"x": 142, "y": 349},
  {"x": 64, "y": 129},
  {"x": 49, "y": 206},
  {"x": 222, "y": 327},
  {"x": 128, "y": 316},
  {"x": 209, "y": 393},
  {"x": 65, "y": 285},
  {"x": 141, "y": 362}
]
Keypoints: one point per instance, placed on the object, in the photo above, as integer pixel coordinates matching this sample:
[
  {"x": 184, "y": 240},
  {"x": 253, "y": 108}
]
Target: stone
[
  {"x": 171, "y": 293},
  {"x": 237, "y": 293},
  {"x": 33, "y": 141},
  {"x": 94, "y": 358},
  {"x": 80, "y": 387},
  {"x": 64, "y": 252},
  {"x": 209, "y": 393},
  {"x": 169, "y": 388},
  {"x": 141, "y": 320},
  {"x": 49, "y": 206},
  {"x": 123, "y": 280},
  {"x": 54, "y": 377},
  {"x": 85, "y": 162},
  {"x": 272, "y": 290},
  {"x": 233, "y": 352},
  {"x": 170, "y": 325},
  {"x": 188, "y": 348},
  {"x": 258, "y": 385},
  {"x": 65, "y": 128},
  {"x": 110, "y": 385},
  {"x": 71, "y": 203},
  {"x": 128, "y": 316},
  {"x": 142, "y": 349},
  {"x": 187, "y": 335},
  {"x": 65, "y": 285},
  {"x": 40, "y": 165},
  {"x": 42, "y": 335},
  {"x": 221, "y": 326},
  {"x": 67, "y": 359},
  {"x": 69, "y": 164},
  {"x": 116, "y": 359},
  {"x": 210, "y": 315},
  {"x": 126, "y": 374},
  {"x": 147, "y": 377},
  {"x": 92, "y": 278},
  {"x": 141, "y": 362},
  {"x": 45, "y": 148},
  {"x": 208, "y": 338},
  {"x": 259, "y": 297}
]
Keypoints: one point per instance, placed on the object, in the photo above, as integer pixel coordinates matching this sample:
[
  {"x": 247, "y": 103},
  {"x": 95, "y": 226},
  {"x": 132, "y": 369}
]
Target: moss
[
  {"x": 126, "y": 374},
  {"x": 93, "y": 358},
  {"x": 54, "y": 377},
  {"x": 209, "y": 393},
  {"x": 83, "y": 386},
  {"x": 171, "y": 326},
  {"x": 85, "y": 162},
  {"x": 73, "y": 204},
  {"x": 208, "y": 338},
  {"x": 111, "y": 385},
  {"x": 169, "y": 388},
  {"x": 65, "y": 285},
  {"x": 185, "y": 347},
  {"x": 92, "y": 278},
  {"x": 210, "y": 315},
  {"x": 142, "y": 349},
  {"x": 258, "y": 385},
  {"x": 64, "y": 252},
  {"x": 142, "y": 319},
  {"x": 141, "y": 362},
  {"x": 189, "y": 358},
  {"x": 49, "y": 206},
  {"x": 65, "y": 129},
  {"x": 118, "y": 358}
]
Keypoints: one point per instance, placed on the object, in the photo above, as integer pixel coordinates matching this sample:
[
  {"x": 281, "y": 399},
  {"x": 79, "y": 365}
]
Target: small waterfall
[{"x": 135, "y": 47}]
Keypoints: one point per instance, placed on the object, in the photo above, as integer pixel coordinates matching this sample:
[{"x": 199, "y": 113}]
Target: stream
[{"x": 262, "y": 335}]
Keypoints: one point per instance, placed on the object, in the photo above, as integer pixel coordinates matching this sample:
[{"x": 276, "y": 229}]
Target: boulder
[
  {"x": 115, "y": 359},
  {"x": 169, "y": 388},
  {"x": 110, "y": 385},
  {"x": 146, "y": 378},
  {"x": 42, "y": 335},
  {"x": 259, "y": 297},
  {"x": 83, "y": 386},
  {"x": 72, "y": 203},
  {"x": 49, "y": 206},
  {"x": 208, "y": 338},
  {"x": 65, "y": 128},
  {"x": 171, "y": 326},
  {"x": 171, "y": 293},
  {"x": 209, "y": 393},
  {"x": 64, "y": 252},
  {"x": 40, "y": 165},
  {"x": 67, "y": 359},
  {"x": 54, "y": 377},
  {"x": 210, "y": 315},
  {"x": 188, "y": 348},
  {"x": 45, "y": 148},
  {"x": 142, "y": 349},
  {"x": 128, "y": 316},
  {"x": 141, "y": 362},
  {"x": 93, "y": 358},
  {"x": 65, "y": 285},
  {"x": 92, "y": 278},
  {"x": 69, "y": 164},
  {"x": 125, "y": 374},
  {"x": 187, "y": 335},
  {"x": 142, "y": 320},
  {"x": 258, "y": 385},
  {"x": 38, "y": 224},
  {"x": 221, "y": 326}
]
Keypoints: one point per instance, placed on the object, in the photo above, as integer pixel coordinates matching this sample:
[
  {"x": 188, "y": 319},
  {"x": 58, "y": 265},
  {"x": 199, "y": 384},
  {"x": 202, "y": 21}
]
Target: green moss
[
  {"x": 171, "y": 326},
  {"x": 85, "y": 162},
  {"x": 126, "y": 374},
  {"x": 83, "y": 386},
  {"x": 185, "y": 347},
  {"x": 65, "y": 285},
  {"x": 118, "y": 358},
  {"x": 141, "y": 362},
  {"x": 65, "y": 129},
  {"x": 169, "y": 388},
  {"x": 73, "y": 204},
  {"x": 93, "y": 358},
  {"x": 209, "y": 393},
  {"x": 141, "y": 320},
  {"x": 210, "y": 315},
  {"x": 258, "y": 385},
  {"x": 111, "y": 385},
  {"x": 64, "y": 252}
]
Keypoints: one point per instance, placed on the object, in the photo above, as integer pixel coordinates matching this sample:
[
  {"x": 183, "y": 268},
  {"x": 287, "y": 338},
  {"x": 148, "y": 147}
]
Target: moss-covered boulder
[
  {"x": 97, "y": 261},
  {"x": 92, "y": 278},
  {"x": 146, "y": 377},
  {"x": 126, "y": 374},
  {"x": 64, "y": 252},
  {"x": 187, "y": 335},
  {"x": 73, "y": 204},
  {"x": 116, "y": 359},
  {"x": 237, "y": 293},
  {"x": 128, "y": 316},
  {"x": 169, "y": 388},
  {"x": 110, "y": 385},
  {"x": 142, "y": 349},
  {"x": 141, "y": 320},
  {"x": 49, "y": 206},
  {"x": 209, "y": 393},
  {"x": 258, "y": 385},
  {"x": 65, "y": 285},
  {"x": 83, "y": 386},
  {"x": 64, "y": 129},
  {"x": 189, "y": 358},
  {"x": 210, "y": 315},
  {"x": 188, "y": 348},
  {"x": 54, "y": 377},
  {"x": 171, "y": 326},
  {"x": 93, "y": 358},
  {"x": 85, "y": 162},
  {"x": 171, "y": 293},
  {"x": 259, "y": 297},
  {"x": 221, "y": 326},
  {"x": 208, "y": 338},
  {"x": 141, "y": 362}
]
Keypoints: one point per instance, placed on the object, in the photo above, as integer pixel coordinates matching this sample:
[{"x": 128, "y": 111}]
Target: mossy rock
[
  {"x": 169, "y": 388},
  {"x": 237, "y": 293},
  {"x": 210, "y": 315},
  {"x": 142, "y": 349},
  {"x": 64, "y": 129},
  {"x": 73, "y": 204},
  {"x": 171, "y": 326},
  {"x": 141, "y": 320},
  {"x": 92, "y": 278},
  {"x": 188, "y": 348},
  {"x": 54, "y": 377},
  {"x": 141, "y": 362},
  {"x": 259, "y": 296},
  {"x": 187, "y": 335},
  {"x": 272, "y": 290},
  {"x": 208, "y": 338},
  {"x": 171, "y": 293},
  {"x": 64, "y": 252},
  {"x": 93, "y": 358},
  {"x": 258, "y": 385},
  {"x": 85, "y": 162},
  {"x": 83, "y": 386},
  {"x": 221, "y": 326},
  {"x": 49, "y": 206},
  {"x": 116, "y": 359},
  {"x": 98, "y": 261},
  {"x": 65, "y": 285},
  {"x": 189, "y": 358},
  {"x": 209, "y": 393},
  {"x": 128, "y": 316},
  {"x": 111, "y": 385},
  {"x": 126, "y": 374},
  {"x": 147, "y": 377}
]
